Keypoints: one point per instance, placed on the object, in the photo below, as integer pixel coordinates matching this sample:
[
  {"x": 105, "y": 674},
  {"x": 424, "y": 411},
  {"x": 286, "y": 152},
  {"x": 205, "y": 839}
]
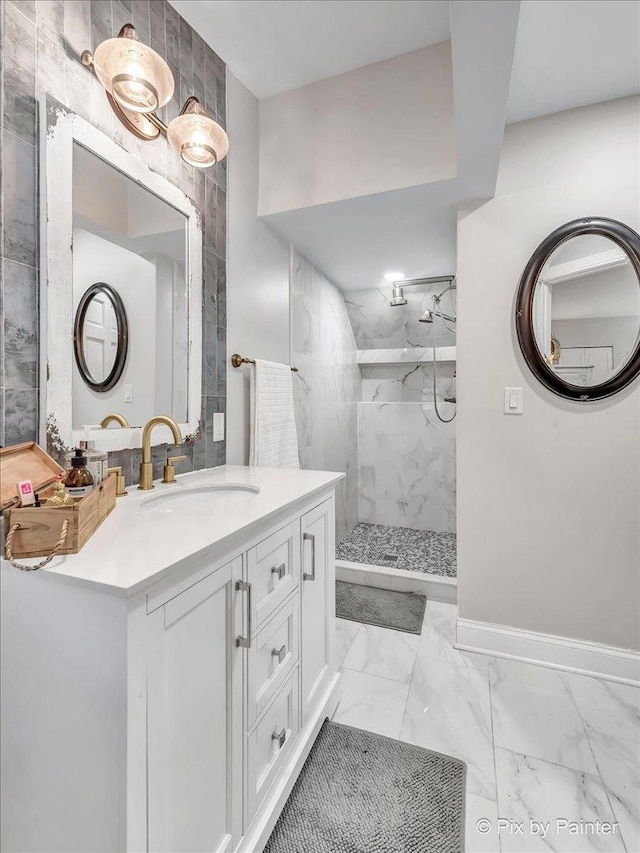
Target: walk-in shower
[{"x": 405, "y": 335}]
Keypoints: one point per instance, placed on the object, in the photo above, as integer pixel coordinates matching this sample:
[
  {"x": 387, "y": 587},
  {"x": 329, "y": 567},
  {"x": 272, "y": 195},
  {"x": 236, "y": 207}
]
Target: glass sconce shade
[
  {"x": 199, "y": 140},
  {"x": 137, "y": 78}
]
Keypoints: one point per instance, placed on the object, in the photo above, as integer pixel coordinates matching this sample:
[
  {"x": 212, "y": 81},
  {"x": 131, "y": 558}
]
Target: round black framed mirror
[
  {"x": 578, "y": 309},
  {"x": 101, "y": 337}
]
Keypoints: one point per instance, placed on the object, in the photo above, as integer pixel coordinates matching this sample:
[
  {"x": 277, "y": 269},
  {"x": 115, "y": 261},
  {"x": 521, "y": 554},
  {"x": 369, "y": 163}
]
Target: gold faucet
[
  {"x": 146, "y": 466},
  {"x": 114, "y": 416}
]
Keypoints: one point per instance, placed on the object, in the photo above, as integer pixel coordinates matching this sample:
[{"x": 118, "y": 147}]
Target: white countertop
[{"x": 133, "y": 544}]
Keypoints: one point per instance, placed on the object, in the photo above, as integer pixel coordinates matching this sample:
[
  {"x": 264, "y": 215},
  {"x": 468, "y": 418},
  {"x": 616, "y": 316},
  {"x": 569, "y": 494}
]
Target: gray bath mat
[
  {"x": 359, "y": 792},
  {"x": 387, "y": 608}
]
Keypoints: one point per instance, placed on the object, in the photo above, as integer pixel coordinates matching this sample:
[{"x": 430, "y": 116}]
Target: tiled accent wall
[
  {"x": 327, "y": 386},
  {"x": 41, "y": 42}
]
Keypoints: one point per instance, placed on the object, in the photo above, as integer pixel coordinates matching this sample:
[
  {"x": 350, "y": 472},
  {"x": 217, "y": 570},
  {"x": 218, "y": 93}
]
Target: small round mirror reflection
[
  {"x": 101, "y": 337},
  {"x": 586, "y": 310}
]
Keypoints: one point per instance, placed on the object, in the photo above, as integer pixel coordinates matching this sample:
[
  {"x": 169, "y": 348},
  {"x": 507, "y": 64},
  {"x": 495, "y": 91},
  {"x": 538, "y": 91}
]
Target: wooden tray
[{"x": 40, "y": 527}]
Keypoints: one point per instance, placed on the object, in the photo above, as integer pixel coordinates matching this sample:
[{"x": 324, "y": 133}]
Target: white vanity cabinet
[
  {"x": 317, "y": 603},
  {"x": 175, "y": 718},
  {"x": 194, "y": 697}
]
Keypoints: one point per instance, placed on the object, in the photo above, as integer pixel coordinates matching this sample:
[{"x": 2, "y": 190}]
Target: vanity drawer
[
  {"x": 273, "y": 570},
  {"x": 271, "y": 657},
  {"x": 271, "y": 742}
]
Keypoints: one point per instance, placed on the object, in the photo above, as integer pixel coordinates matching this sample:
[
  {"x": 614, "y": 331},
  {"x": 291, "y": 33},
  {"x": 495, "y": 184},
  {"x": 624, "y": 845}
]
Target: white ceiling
[
  {"x": 275, "y": 45},
  {"x": 570, "y": 53},
  {"x": 413, "y": 230},
  {"x": 511, "y": 61}
]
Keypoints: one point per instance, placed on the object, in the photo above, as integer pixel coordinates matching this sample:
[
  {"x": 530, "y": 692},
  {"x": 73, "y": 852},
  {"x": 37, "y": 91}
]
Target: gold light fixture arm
[{"x": 195, "y": 137}]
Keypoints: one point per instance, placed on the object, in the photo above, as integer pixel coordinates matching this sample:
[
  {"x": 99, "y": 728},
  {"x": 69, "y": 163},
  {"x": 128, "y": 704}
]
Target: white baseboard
[
  {"x": 579, "y": 656},
  {"x": 433, "y": 586}
]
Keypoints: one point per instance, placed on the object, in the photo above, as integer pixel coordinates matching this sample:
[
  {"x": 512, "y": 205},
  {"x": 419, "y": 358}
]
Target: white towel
[{"x": 274, "y": 441}]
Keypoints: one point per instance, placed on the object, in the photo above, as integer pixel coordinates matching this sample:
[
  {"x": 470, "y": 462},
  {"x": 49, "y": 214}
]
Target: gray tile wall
[{"x": 41, "y": 42}]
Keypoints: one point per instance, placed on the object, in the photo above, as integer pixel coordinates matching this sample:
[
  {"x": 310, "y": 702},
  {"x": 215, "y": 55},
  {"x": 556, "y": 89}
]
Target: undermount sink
[{"x": 203, "y": 497}]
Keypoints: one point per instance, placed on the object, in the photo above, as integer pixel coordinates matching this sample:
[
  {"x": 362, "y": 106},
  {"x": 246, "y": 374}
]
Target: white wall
[
  {"x": 378, "y": 128},
  {"x": 257, "y": 270},
  {"x": 548, "y": 502},
  {"x": 95, "y": 259}
]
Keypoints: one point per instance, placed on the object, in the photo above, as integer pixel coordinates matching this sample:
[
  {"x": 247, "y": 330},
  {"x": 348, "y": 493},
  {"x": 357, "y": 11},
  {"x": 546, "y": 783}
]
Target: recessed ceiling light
[{"x": 394, "y": 276}]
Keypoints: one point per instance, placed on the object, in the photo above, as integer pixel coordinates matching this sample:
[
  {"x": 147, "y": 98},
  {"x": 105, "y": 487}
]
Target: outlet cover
[{"x": 218, "y": 426}]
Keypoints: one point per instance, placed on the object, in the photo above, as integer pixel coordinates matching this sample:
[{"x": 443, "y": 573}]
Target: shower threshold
[{"x": 400, "y": 558}]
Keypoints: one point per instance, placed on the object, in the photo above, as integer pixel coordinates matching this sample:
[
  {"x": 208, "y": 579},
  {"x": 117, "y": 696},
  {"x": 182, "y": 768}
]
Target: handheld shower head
[{"x": 427, "y": 317}]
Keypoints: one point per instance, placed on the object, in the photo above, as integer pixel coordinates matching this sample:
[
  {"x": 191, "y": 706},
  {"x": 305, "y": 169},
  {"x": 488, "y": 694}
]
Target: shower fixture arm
[{"x": 398, "y": 297}]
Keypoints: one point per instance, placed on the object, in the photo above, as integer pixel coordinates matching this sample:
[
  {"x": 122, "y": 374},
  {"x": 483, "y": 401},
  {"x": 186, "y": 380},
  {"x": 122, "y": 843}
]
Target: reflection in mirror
[
  {"x": 100, "y": 337},
  {"x": 134, "y": 242},
  {"x": 586, "y": 310}
]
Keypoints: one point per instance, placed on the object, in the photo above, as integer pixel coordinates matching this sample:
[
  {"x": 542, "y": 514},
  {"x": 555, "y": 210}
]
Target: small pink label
[{"x": 25, "y": 488}]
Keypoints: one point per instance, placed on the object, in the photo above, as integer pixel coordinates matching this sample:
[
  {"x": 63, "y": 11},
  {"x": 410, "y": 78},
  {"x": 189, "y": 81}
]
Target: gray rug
[
  {"x": 387, "y": 608},
  {"x": 359, "y": 792}
]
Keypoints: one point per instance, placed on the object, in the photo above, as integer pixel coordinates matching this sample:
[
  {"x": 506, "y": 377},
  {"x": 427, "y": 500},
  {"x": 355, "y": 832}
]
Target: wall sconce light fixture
[{"x": 137, "y": 82}]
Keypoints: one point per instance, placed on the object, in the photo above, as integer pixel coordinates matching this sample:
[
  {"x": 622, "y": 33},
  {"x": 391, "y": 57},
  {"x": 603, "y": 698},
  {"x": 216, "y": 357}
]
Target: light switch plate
[
  {"x": 513, "y": 401},
  {"x": 218, "y": 426},
  {"x": 128, "y": 393}
]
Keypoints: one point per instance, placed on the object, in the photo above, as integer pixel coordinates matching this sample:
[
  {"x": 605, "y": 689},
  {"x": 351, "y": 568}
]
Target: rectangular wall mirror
[{"x": 122, "y": 288}]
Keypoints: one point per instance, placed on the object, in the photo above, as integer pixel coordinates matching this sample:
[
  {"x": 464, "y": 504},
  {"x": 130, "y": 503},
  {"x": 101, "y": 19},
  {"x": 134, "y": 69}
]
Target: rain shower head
[{"x": 398, "y": 297}]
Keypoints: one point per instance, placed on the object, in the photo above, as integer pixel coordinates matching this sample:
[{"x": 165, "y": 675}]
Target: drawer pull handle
[
  {"x": 280, "y": 737},
  {"x": 279, "y": 570},
  {"x": 280, "y": 653},
  {"x": 245, "y": 642},
  {"x": 310, "y": 576}
]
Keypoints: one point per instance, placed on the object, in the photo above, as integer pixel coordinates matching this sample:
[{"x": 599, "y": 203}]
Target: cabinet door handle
[
  {"x": 245, "y": 642},
  {"x": 279, "y": 570},
  {"x": 280, "y": 653},
  {"x": 310, "y": 576},
  {"x": 280, "y": 737}
]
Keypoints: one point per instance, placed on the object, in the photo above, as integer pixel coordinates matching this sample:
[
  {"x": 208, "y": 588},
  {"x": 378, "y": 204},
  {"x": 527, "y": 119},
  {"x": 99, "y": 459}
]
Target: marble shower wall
[
  {"x": 406, "y": 456},
  {"x": 376, "y": 325},
  {"x": 328, "y": 386},
  {"x": 407, "y": 465},
  {"x": 406, "y": 383},
  {"x": 41, "y": 43}
]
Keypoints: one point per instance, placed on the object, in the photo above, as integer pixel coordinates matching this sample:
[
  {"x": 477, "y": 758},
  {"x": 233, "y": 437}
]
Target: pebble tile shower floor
[{"x": 404, "y": 548}]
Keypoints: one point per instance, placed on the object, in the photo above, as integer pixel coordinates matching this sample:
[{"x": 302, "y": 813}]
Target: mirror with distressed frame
[
  {"x": 122, "y": 292},
  {"x": 578, "y": 311}
]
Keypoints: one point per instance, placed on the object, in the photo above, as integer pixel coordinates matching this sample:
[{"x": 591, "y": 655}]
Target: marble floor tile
[
  {"x": 384, "y": 652},
  {"x": 371, "y": 703},
  {"x": 619, "y": 765},
  {"x": 448, "y": 710},
  {"x": 345, "y": 634},
  {"x": 481, "y": 825},
  {"x": 536, "y": 798},
  {"x": 438, "y": 636},
  {"x": 534, "y": 714},
  {"x": 606, "y": 706}
]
